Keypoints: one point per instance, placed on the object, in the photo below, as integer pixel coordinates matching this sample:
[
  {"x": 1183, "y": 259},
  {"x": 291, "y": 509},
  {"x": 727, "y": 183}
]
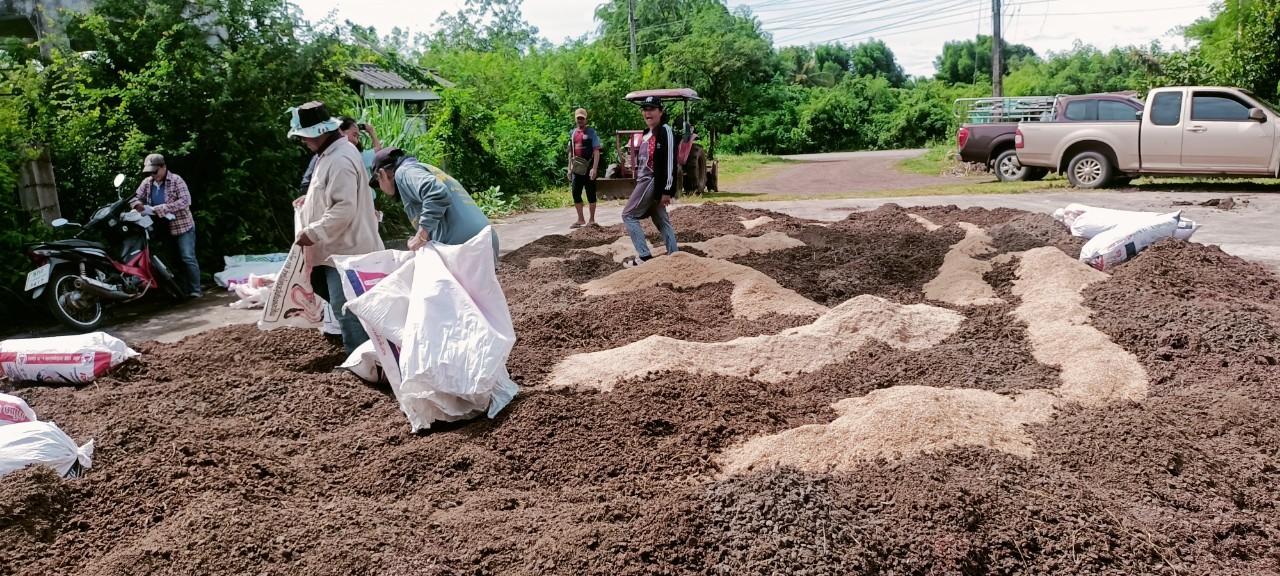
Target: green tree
[{"x": 969, "y": 61}]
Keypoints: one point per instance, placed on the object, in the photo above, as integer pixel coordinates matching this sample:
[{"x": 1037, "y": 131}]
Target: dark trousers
[
  {"x": 580, "y": 182},
  {"x": 327, "y": 284}
]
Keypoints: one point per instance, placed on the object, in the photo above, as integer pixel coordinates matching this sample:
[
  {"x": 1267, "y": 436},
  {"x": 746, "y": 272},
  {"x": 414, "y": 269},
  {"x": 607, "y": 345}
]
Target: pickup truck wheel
[
  {"x": 1008, "y": 169},
  {"x": 1089, "y": 170}
]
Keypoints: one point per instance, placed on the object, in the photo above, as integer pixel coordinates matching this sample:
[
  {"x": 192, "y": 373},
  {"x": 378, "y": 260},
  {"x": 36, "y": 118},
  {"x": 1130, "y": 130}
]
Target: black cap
[
  {"x": 385, "y": 158},
  {"x": 650, "y": 102}
]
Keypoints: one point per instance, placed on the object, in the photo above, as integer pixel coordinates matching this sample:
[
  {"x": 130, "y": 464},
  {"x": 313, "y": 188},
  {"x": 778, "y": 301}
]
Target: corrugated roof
[
  {"x": 379, "y": 78},
  {"x": 375, "y": 77}
]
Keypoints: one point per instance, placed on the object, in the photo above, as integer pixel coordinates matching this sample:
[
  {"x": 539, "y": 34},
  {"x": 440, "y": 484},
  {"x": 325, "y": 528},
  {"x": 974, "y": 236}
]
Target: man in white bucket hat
[{"x": 337, "y": 215}]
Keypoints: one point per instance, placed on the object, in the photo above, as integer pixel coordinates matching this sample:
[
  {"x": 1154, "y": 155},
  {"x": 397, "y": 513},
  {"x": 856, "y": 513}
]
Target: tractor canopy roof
[{"x": 681, "y": 94}]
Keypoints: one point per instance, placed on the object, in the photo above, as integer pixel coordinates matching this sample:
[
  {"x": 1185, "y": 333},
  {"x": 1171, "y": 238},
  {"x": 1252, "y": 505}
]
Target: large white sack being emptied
[
  {"x": 42, "y": 443},
  {"x": 1110, "y": 248},
  {"x": 439, "y": 325},
  {"x": 458, "y": 336},
  {"x": 77, "y": 359},
  {"x": 14, "y": 410},
  {"x": 1089, "y": 221}
]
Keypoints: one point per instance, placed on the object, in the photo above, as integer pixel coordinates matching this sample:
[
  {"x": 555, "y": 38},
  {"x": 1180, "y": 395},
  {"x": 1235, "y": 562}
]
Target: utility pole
[
  {"x": 631, "y": 23},
  {"x": 997, "y": 52}
]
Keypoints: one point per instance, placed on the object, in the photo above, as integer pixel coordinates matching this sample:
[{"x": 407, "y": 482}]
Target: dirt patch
[
  {"x": 772, "y": 358},
  {"x": 824, "y": 178},
  {"x": 754, "y": 294},
  {"x": 1026, "y": 231},
  {"x": 719, "y": 247},
  {"x": 238, "y": 452},
  {"x": 881, "y": 252},
  {"x": 959, "y": 280}
]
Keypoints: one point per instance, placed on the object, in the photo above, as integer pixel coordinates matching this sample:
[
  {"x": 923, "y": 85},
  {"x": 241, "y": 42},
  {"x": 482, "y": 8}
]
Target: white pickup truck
[{"x": 1181, "y": 131}]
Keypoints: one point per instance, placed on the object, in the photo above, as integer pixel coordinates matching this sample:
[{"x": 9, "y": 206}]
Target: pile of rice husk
[{"x": 241, "y": 452}]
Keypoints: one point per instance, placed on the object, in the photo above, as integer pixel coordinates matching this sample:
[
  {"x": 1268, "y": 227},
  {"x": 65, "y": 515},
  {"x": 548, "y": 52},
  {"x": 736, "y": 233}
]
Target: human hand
[
  {"x": 297, "y": 203},
  {"x": 368, "y": 129},
  {"x": 568, "y": 174},
  {"x": 139, "y": 207},
  {"x": 592, "y": 174},
  {"x": 418, "y": 240},
  {"x": 304, "y": 240},
  {"x": 666, "y": 200}
]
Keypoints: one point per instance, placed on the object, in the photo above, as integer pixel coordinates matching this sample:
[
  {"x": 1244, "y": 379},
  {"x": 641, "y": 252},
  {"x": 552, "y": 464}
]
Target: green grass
[
  {"x": 937, "y": 160},
  {"x": 734, "y": 167}
]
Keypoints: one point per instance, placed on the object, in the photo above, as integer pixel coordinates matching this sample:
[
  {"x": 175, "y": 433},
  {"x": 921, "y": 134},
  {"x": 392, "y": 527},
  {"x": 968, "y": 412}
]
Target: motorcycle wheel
[{"x": 72, "y": 307}]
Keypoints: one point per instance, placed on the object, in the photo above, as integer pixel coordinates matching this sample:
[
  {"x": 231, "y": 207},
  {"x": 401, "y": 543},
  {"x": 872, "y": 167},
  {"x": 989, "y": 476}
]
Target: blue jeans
[
  {"x": 353, "y": 334},
  {"x": 186, "y": 245},
  {"x": 661, "y": 221}
]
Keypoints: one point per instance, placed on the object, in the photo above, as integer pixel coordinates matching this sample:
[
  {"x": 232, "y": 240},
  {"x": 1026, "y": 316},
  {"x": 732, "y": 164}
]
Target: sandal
[{"x": 576, "y": 225}]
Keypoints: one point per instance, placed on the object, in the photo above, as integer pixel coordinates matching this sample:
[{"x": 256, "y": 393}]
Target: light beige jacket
[{"x": 338, "y": 213}]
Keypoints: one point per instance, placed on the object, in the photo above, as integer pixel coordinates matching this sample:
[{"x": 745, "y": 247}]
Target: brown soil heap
[{"x": 239, "y": 452}]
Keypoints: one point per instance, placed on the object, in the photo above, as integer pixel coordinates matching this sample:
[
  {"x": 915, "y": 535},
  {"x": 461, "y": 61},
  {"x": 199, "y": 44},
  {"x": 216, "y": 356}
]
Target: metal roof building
[{"x": 373, "y": 82}]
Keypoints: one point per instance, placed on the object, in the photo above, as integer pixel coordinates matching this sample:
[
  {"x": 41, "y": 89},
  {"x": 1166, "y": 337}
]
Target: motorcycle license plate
[{"x": 38, "y": 277}]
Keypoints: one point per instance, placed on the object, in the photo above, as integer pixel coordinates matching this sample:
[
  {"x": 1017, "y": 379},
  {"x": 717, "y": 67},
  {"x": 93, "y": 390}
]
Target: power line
[{"x": 923, "y": 10}]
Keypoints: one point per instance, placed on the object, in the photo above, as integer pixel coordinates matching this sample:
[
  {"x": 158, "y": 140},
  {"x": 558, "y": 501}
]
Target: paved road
[{"x": 866, "y": 155}]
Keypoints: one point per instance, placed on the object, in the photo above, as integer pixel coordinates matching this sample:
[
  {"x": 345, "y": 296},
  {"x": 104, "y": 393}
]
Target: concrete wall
[{"x": 40, "y": 15}]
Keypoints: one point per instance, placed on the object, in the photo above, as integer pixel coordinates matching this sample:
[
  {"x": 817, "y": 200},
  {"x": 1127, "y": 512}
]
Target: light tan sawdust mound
[
  {"x": 728, "y": 246},
  {"x": 761, "y": 221},
  {"x": 771, "y": 358},
  {"x": 927, "y": 223},
  {"x": 898, "y": 422},
  {"x": 959, "y": 280},
  {"x": 1095, "y": 370},
  {"x": 544, "y": 262},
  {"x": 906, "y": 420},
  {"x": 754, "y": 294}
]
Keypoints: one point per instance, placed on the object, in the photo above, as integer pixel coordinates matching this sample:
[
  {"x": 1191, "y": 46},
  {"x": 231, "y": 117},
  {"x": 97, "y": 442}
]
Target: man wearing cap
[
  {"x": 166, "y": 194},
  {"x": 435, "y": 202},
  {"x": 337, "y": 216},
  {"x": 584, "y": 157}
]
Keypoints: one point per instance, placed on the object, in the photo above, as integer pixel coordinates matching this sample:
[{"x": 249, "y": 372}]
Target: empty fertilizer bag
[
  {"x": 14, "y": 410},
  {"x": 440, "y": 326},
  {"x": 1108, "y": 249},
  {"x": 42, "y": 443},
  {"x": 77, "y": 359},
  {"x": 291, "y": 301}
]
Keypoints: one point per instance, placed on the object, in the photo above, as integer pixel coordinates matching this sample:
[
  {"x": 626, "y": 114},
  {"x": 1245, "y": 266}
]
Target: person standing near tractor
[
  {"x": 655, "y": 183},
  {"x": 584, "y": 158}
]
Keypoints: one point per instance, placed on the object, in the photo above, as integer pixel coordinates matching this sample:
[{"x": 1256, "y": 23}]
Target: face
[
  {"x": 160, "y": 174},
  {"x": 582, "y": 121},
  {"x": 313, "y": 144},
  {"x": 386, "y": 182},
  {"x": 652, "y": 116},
  {"x": 352, "y": 134}
]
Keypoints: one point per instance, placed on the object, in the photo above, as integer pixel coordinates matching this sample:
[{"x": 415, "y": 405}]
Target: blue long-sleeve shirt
[{"x": 436, "y": 202}]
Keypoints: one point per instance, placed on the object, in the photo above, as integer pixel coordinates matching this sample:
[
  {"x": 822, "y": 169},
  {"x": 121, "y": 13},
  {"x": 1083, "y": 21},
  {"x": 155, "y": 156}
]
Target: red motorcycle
[{"x": 78, "y": 277}]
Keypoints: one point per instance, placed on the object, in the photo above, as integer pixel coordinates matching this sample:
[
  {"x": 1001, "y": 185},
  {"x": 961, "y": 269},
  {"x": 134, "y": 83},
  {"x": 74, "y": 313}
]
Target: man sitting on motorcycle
[{"x": 166, "y": 194}]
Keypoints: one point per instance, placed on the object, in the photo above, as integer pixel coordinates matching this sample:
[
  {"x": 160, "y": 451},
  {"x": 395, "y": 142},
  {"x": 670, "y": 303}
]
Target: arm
[
  {"x": 344, "y": 184},
  {"x": 568, "y": 170},
  {"x": 664, "y": 161},
  {"x": 595, "y": 154},
  {"x": 181, "y": 202},
  {"x": 373, "y": 137},
  {"x": 139, "y": 196},
  {"x": 420, "y": 186}
]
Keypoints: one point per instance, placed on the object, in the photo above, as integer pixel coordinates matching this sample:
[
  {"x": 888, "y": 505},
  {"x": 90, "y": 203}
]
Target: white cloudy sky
[{"x": 914, "y": 29}]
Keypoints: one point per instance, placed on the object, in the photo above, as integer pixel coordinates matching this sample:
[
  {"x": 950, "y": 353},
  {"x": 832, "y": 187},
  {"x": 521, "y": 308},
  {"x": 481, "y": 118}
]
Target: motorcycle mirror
[
  {"x": 58, "y": 222},
  {"x": 119, "y": 180}
]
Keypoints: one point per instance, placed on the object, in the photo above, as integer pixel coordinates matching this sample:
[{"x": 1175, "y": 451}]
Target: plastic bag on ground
[
  {"x": 1186, "y": 227},
  {"x": 1089, "y": 221},
  {"x": 291, "y": 301},
  {"x": 363, "y": 362},
  {"x": 14, "y": 410},
  {"x": 1108, "y": 249},
  {"x": 74, "y": 359},
  {"x": 42, "y": 443}
]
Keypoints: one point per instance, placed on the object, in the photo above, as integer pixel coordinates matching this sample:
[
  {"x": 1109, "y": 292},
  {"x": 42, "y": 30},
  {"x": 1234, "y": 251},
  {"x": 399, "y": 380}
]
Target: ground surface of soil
[{"x": 240, "y": 452}]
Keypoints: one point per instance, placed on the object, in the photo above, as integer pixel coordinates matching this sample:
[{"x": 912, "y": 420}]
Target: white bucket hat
[{"x": 311, "y": 120}]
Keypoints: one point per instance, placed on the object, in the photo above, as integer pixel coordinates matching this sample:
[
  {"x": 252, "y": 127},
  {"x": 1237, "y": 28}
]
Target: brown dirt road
[{"x": 817, "y": 175}]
